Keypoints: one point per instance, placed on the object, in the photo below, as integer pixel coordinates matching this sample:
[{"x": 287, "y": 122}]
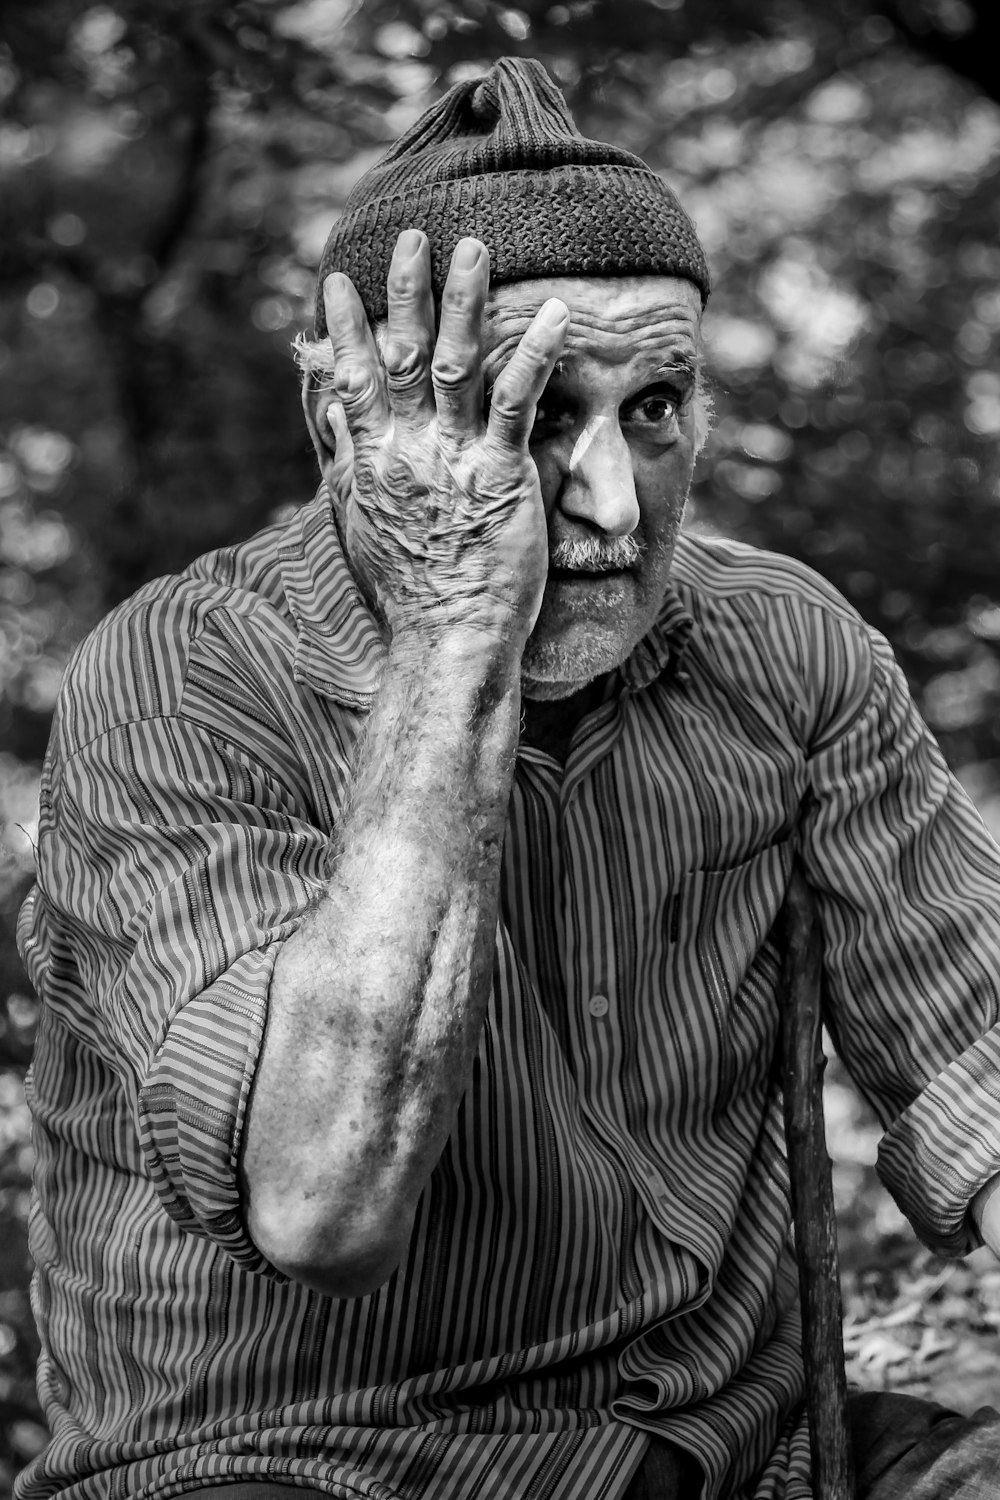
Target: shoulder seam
[{"x": 793, "y": 580}]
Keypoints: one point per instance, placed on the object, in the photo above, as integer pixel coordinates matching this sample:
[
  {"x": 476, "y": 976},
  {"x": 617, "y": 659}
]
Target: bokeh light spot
[{"x": 42, "y": 300}]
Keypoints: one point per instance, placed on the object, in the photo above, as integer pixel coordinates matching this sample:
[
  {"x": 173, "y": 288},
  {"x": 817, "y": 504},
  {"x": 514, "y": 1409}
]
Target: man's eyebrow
[{"x": 678, "y": 364}]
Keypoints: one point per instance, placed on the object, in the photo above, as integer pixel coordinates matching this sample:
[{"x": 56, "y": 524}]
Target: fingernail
[
  {"x": 467, "y": 254},
  {"x": 554, "y": 312},
  {"x": 409, "y": 244}
]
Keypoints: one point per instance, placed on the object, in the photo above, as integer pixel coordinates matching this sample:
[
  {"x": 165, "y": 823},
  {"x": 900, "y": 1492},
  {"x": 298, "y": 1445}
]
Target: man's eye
[
  {"x": 655, "y": 409},
  {"x": 551, "y": 413}
]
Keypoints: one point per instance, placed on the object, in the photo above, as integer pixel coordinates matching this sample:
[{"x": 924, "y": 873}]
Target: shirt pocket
[{"x": 723, "y": 966}]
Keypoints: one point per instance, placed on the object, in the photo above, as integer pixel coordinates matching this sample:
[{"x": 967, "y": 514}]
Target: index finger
[
  {"x": 519, "y": 386},
  {"x": 358, "y": 379}
]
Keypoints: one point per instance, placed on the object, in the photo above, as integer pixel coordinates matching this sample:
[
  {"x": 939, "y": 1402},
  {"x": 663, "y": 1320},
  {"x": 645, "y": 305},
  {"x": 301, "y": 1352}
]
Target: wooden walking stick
[{"x": 812, "y": 1195}]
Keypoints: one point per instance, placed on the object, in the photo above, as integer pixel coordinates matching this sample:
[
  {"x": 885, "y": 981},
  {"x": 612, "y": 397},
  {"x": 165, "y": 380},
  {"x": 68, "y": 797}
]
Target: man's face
[{"x": 614, "y": 444}]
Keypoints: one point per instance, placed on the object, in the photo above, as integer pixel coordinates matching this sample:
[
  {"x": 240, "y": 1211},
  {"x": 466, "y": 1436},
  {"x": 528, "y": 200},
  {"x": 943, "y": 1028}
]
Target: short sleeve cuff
[{"x": 192, "y": 1105}]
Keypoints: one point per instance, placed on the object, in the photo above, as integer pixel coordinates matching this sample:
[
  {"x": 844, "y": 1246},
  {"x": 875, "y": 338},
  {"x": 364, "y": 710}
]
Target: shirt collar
[
  {"x": 662, "y": 648},
  {"x": 340, "y": 650}
]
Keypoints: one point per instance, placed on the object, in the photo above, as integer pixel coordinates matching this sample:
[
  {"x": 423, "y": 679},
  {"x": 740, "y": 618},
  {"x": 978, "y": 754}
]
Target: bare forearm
[{"x": 377, "y": 1002}]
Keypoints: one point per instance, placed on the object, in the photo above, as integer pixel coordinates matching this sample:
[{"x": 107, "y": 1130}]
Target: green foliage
[{"x": 169, "y": 170}]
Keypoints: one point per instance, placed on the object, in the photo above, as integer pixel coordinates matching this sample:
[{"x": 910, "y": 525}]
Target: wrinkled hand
[{"x": 444, "y": 515}]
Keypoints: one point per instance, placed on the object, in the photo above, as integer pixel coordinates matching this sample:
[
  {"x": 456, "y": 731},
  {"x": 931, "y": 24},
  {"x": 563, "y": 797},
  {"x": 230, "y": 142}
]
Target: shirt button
[{"x": 599, "y": 1005}]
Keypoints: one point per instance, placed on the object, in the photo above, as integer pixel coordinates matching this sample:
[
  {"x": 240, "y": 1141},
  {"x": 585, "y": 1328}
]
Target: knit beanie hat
[{"x": 499, "y": 158}]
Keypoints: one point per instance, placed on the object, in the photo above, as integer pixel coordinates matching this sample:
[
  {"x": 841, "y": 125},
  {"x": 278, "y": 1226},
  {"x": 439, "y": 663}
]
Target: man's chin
[
  {"x": 557, "y": 669},
  {"x": 547, "y": 691}
]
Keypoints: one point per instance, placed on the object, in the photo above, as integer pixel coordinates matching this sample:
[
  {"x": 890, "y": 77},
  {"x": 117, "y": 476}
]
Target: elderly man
[{"x": 406, "y": 1112}]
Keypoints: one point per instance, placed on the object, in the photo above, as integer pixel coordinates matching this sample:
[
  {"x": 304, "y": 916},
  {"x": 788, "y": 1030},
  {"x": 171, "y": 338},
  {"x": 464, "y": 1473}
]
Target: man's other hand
[
  {"x": 444, "y": 516},
  {"x": 986, "y": 1213}
]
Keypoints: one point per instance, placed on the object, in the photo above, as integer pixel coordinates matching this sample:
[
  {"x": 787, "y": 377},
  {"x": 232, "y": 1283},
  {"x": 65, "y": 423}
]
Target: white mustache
[{"x": 594, "y": 555}]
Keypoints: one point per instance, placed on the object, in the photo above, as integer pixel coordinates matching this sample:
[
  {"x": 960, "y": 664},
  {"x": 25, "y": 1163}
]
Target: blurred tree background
[{"x": 169, "y": 170}]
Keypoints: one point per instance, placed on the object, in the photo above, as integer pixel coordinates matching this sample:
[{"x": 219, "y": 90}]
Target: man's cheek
[{"x": 670, "y": 471}]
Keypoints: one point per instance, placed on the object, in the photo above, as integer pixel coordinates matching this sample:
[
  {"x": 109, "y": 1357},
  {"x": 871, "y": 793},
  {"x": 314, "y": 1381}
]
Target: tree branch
[{"x": 168, "y": 236}]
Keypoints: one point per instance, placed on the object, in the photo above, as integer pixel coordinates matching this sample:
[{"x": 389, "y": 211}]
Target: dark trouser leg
[{"x": 906, "y": 1449}]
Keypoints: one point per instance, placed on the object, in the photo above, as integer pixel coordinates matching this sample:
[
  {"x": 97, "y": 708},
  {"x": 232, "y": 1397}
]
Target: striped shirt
[{"x": 602, "y": 1251}]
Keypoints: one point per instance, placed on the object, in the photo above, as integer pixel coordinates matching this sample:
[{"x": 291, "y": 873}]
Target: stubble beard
[{"x": 553, "y": 667}]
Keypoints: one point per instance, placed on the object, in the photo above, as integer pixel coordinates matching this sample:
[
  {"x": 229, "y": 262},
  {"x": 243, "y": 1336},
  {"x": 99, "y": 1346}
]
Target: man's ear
[{"x": 330, "y": 436}]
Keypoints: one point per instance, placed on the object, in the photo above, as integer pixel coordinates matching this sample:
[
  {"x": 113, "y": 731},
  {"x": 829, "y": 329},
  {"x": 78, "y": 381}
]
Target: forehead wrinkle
[
  {"x": 616, "y": 341},
  {"x": 674, "y": 315}
]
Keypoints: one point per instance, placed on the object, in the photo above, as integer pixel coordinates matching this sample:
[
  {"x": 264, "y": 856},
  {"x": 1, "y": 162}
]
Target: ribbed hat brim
[{"x": 573, "y": 220}]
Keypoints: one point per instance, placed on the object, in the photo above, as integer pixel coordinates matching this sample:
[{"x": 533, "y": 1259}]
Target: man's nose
[{"x": 598, "y": 484}]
